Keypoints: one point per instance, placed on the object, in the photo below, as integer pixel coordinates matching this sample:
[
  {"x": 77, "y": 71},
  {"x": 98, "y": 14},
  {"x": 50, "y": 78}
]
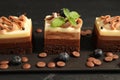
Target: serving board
[
  {"x": 38, "y": 9},
  {"x": 73, "y": 64}
]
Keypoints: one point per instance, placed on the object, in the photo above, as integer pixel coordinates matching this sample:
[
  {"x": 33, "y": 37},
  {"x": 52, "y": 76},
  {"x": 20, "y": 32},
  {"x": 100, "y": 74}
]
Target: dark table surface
[{"x": 38, "y": 9}]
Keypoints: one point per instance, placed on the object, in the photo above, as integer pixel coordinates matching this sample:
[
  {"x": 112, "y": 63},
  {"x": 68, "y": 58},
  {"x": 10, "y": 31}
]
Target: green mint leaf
[
  {"x": 72, "y": 21},
  {"x": 57, "y": 22},
  {"x": 71, "y": 16},
  {"x": 66, "y": 12},
  {"x": 74, "y": 15}
]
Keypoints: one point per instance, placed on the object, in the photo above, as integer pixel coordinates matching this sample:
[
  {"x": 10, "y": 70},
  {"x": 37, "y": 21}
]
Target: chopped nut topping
[
  {"x": 66, "y": 25},
  {"x": 12, "y": 23},
  {"x": 55, "y": 15},
  {"x": 113, "y": 21},
  {"x": 6, "y": 21},
  {"x": 78, "y": 21},
  {"x": 49, "y": 18},
  {"x": 22, "y": 18}
]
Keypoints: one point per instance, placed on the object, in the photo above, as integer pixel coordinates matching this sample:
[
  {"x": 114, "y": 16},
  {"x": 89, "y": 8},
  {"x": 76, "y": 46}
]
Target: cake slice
[
  {"x": 15, "y": 35},
  {"x": 62, "y": 32},
  {"x": 107, "y": 33}
]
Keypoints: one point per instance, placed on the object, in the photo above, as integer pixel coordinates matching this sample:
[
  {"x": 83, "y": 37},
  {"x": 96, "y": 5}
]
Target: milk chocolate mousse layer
[{"x": 107, "y": 43}]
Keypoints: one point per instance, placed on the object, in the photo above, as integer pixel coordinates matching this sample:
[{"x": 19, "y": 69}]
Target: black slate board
[
  {"x": 74, "y": 64},
  {"x": 38, "y": 9}
]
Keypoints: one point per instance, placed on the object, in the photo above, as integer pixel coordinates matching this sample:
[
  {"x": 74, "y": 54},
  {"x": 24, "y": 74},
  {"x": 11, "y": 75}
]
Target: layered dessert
[
  {"x": 15, "y": 35},
  {"x": 62, "y": 31},
  {"x": 107, "y": 33}
]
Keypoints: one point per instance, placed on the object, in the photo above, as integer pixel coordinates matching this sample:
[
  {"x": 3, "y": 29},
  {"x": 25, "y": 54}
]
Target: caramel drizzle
[
  {"x": 11, "y": 23},
  {"x": 113, "y": 21}
]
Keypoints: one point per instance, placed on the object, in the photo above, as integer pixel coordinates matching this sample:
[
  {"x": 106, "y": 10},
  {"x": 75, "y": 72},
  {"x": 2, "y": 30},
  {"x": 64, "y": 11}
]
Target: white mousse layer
[
  {"x": 104, "y": 29},
  {"x": 19, "y": 33},
  {"x": 60, "y": 29}
]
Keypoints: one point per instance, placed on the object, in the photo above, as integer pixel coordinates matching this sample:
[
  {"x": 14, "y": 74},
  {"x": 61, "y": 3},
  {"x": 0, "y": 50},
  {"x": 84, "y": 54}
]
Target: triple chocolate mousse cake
[
  {"x": 107, "y": 33},
  {"x": 62, "y": 31},
  {"x": 15, "y": 35}
]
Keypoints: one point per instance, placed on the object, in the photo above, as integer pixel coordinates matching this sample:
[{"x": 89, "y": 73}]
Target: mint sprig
[
  {"x": 66, "y": 12},
  {"x": 74, "y": 15},
  {"x": 57, "y": 22},
  {"x": 71, "y": 16}
]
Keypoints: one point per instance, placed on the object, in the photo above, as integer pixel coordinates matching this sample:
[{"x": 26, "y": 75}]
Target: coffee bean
[
  {"x": 38, "y": 30},
  {"x": 97, "y": 62},
  {"x": 51, "y": 65},
  {"x": 108, "y": 59},
  {"x": 109, "y": 54},
  {"x": 42, "y": 55},
  {"x": 88, "y": 32},
  {"x": 41, "y": 64},
  {"x": 26, "y": 66},
  {"x": 61, "y": 64},
  {"x": 76, "y": 54},
  {"x": 91, "y": 59},
  {"x": 90, "y": 64},
  {"x": 4, "y": 62},
  {"x": 4, "y": 66},
  {"x": 83, "y": 33},
  {"x": 25, "y": 59},
  {"x": 115, "y": 56}
]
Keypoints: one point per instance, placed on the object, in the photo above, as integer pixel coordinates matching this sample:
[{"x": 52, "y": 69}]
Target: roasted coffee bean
[
  {"x": 61, "y": 64},
  {"x": 109, "y": 54},
  {"x": 88, "y": 32},
  {"x": 90, "y": 64},
  {"x": 26, "y": 66},
  {"x": 76, "y": 54},
  {"x": 41, "y": 64},
  {"x": 4, "y": 62},
  {"x": 108, "y": 59},
  {"x": 4, "y": 66},
  {"x": 97, "y": 62},
  {"x": 83, "y": 33},
  {"x": 25, "y": 59},
  {"x": 115, "y": 56},
  {"x": 91, "y": 59},
  {"x": 42, "y": 55},
  {"x": 51, "y": 65},
  {"x": 38, "y": 30}
]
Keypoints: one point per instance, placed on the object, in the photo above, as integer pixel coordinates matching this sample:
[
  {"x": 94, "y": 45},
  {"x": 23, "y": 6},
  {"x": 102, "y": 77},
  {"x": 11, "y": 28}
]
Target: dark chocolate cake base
[
  {"x": 106, "y": 43},
  {"x": 56, "y": 46},
  {"x": 56, "y": 49},
  {"x": 16, "y": 48},
  {"x": 16, "y": 45},
  {"x": 16, "y": 51}
]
